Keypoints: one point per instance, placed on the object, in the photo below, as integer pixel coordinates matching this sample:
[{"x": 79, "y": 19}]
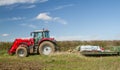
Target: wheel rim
[
  {"x": 46, "y": 50},
  {"x": 21, "y": 52}
]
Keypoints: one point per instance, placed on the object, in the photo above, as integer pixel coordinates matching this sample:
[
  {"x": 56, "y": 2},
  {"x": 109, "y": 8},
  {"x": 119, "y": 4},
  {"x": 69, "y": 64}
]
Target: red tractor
[{"x": 40, "y": 43}]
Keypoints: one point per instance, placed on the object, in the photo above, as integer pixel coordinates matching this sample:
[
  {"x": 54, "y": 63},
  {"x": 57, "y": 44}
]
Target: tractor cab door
[{"x": 37, "y": 36}]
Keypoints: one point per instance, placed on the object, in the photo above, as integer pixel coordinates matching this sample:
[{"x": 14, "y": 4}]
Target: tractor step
[{"x": 36, "y": 49}]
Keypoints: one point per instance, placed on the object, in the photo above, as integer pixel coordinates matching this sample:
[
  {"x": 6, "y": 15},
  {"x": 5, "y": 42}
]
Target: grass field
[{"x": 59, "y": 61}]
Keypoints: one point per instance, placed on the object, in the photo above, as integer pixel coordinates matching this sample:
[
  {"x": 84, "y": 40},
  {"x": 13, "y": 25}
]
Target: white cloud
[
  {"x": 11, "y": 6},
  {"x": 59, "y": 20},
  {"x": 29, "y": 25},
  {"x": 45, "y": 17},
  {"x": 28, "y": 7},
  {"x": 10, "y": 2},
  {"x": 5, "y": 35},
  {"x": 16, "y": 18},
  {"x": 63, "y": 6},
  {"x": 43, "y": 1}
]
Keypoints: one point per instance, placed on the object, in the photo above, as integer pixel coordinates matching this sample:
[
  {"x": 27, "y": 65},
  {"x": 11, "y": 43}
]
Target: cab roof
[{"x": 41, "y": 30}]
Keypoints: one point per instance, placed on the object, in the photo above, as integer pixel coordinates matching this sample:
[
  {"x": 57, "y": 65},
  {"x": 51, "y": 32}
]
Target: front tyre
[
  {"x": 22, "y": 51},
  {"x": 46, "y": 48}
]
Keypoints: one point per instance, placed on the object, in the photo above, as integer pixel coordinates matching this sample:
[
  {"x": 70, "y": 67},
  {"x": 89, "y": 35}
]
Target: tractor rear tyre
[
  {"x": 22, "y": 51},
  {"x": 46, "y": 48}
]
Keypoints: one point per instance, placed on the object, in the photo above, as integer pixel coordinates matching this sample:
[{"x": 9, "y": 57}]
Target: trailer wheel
[
  {"x": 118, "y": 53},
  {"x": 22, "y": 51},
  {"x": 46, "y": 48}
]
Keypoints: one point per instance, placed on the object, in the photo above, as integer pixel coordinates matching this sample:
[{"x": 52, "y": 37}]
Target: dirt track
[{"x": 21, "y": 66}]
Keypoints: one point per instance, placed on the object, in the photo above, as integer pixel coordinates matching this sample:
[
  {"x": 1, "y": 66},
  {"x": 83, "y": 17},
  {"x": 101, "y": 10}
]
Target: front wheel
[
  {"x": 22, "y": 51},
  {"x": 46, "y": 48}
]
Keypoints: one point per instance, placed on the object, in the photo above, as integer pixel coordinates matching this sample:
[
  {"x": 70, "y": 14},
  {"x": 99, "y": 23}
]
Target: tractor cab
[{"x": 40, "y": 34}]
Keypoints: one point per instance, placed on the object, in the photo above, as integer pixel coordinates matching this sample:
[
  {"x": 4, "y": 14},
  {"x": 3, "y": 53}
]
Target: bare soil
[{"x": 21, "y": 66}]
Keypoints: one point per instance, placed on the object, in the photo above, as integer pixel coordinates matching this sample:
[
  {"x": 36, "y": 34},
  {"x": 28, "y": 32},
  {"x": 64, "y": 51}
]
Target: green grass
[{"x": 63, "y": 61}]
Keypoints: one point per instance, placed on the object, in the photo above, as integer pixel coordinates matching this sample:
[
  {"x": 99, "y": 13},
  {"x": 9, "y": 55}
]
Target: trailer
[{"x": 89, "y": 50}]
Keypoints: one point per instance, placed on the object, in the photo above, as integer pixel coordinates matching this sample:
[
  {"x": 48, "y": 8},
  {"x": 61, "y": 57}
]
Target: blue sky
[{"x": 66, "y": 19}]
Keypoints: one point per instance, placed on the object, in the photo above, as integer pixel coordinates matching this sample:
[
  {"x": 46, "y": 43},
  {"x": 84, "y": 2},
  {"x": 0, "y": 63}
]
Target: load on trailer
[
  {"x": 90, "y": 50},
  {"x": 40, "y": 43}
]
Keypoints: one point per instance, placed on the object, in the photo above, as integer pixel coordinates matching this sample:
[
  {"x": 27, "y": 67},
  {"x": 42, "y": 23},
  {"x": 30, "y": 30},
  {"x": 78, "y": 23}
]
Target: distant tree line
[{"x": 66, "y": 45}]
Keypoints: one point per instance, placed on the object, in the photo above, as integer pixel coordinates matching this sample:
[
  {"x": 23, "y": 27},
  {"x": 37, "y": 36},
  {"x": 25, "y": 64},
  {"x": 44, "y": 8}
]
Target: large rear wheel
[
  {"x": 22, "y": 51},
  {"x": 46, "y": 48}
]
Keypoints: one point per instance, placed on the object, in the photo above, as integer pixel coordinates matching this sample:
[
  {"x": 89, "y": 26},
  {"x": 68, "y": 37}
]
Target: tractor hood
[
  {"x": 27, "y": 40},
  {"x": 24, "y": 38}
]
